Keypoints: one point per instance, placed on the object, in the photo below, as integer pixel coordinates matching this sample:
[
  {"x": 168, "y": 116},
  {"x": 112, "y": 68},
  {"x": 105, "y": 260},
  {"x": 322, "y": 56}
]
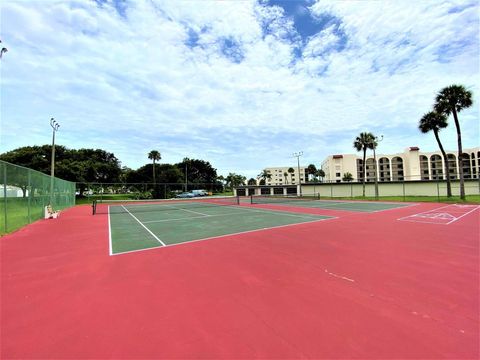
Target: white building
[
  {"x": 281, "y": 176},
  {"x": 412, "y": 164}
]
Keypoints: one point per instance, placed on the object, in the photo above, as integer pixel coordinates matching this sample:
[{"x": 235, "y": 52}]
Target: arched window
[
  {"x": 452, "y": 164},
  {"x": 360, "y": 169},
  {"x": 424, "y": 173},
  {"x": 397, "y": 169},
  {"x": 474, "y": 165},
  {"x": 370, "y": 164},
  {"x": 436, "y": 166},
  {"x": 384, "y": 169},
  {"x": 467, "y": 170}
]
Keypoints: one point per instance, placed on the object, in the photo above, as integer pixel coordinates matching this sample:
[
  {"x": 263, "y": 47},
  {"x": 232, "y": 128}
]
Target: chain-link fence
[
  {"x": 111, "y": 191},
  {"x": 395, "y": 190},
  {"x": 24, "y": 193}
]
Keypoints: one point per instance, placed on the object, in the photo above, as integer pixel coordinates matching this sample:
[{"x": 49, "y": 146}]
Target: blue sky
[{"x": 242, "y": 84}]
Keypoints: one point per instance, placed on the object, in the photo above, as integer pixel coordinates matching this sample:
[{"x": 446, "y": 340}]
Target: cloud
[{"x": 227, "y": 81}]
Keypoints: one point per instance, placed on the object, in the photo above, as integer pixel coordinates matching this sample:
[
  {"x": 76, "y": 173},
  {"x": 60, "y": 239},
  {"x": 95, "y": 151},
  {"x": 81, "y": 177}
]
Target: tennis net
[
  {"x": 273, "y": 199},
  {"x": 134, "y": 206}
]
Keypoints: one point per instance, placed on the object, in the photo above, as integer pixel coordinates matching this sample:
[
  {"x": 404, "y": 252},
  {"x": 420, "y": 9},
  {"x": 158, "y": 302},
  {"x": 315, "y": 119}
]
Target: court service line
[
  {"x": 306, "y": 216},
  {"x": 226, "y": 235},
  {"x": 151, "y": 233},
  {"x": 194, "y": 212},
  {"x": 278, "y": 212},
  {"x": 425, "y": 212}
]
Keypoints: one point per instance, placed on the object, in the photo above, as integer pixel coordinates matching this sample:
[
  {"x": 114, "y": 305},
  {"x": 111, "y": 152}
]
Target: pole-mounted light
[
  {"x": 55, "y": 125},
  {"x": 297, "y": 155}
]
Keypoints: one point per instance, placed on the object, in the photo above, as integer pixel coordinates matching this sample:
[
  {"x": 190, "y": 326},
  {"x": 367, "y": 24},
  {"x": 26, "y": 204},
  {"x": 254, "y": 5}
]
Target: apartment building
[
  {"x": 412, "y": 164},
  {"x": 281, "y": 176}
]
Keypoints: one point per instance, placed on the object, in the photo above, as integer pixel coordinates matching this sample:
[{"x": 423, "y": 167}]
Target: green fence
[{"x": 26, "y": 192}]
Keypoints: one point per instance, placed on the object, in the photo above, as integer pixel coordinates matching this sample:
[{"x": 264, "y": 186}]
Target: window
[{"x": 338, "y": 174}]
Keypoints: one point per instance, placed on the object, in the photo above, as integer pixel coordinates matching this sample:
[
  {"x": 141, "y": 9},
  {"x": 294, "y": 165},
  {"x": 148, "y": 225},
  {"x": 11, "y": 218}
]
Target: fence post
[
  {"x": 29, "y": 189},
  {"x": 5, "y": 193},
  {"x": 438, "y": 192},
  {"x": 331, "y": 191}
]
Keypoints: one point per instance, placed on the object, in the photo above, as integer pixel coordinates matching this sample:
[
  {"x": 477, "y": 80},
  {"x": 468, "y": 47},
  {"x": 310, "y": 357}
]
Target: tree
[
  {"x": 433, "y": 121},
  {"x": 285, "y": 174},
  {"x": 291, "y": 171},
  {"x": 82, "y": 166},
  {"x": 252, "y": 181},
  {"x": 452, "y": 100},
  {"x": 362, "y": 143},
  {"x": 154, "y": 155},
  {"x": 347, "y": 177},
  {"x": 265, "y": 175},
  {"x": 198, "y": 171},
  {"x": 234, "y": 180},
  {"x": 321, "y": 174},
  {"x": 312, "y": 170}
]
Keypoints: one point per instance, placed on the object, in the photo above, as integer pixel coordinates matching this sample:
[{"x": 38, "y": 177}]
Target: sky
[{"x": 241, "y": 84}]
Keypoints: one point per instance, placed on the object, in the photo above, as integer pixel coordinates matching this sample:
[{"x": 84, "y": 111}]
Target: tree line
[{"x": 86, "y": 166}]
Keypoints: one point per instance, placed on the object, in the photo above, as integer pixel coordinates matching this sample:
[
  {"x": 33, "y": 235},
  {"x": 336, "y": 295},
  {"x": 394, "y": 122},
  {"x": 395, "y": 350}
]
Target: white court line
[
  {"x": 338, "y": 276},
  {"x": 222, "y": 236},
  {"x": 109, "y": 233},
  {"x": 478, "y": 207},
  {"x": 191, "y": 211},
  {"x": 411, "y": 218},
  {"x": 151, "y": 233}
]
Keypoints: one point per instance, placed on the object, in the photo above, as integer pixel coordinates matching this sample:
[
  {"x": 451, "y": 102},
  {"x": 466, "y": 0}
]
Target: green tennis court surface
[
  {"x": 313, "y": 202},
  {"x": 135, "y": 227}
]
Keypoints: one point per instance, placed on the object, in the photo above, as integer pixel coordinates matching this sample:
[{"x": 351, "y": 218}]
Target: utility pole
[
  {"x": 55, "y": 127},
  {"x": 186, "y": 179},
  {"x": 375, "y": 144},
  {"x": 297, "y": 155}
]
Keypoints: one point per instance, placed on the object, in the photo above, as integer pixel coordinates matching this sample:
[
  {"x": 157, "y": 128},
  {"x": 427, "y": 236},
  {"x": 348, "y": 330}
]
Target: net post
[
  {"x": 94, "y": 207},
  {"x": 237, "y": 200},
  {"x": 251, "y": 199}
]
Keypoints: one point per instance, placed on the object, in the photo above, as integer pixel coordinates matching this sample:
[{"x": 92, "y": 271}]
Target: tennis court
[
  {"x": 316, "y": 202},
  {"x": 140, "y": 225}
]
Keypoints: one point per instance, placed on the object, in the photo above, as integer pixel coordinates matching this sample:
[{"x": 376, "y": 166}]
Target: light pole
[
  {"x": 297, "y": 155},
  {"x": 376, "y": 140},
  {"x": 186, "y": 178},
  {"x": 55, "y": 125}
]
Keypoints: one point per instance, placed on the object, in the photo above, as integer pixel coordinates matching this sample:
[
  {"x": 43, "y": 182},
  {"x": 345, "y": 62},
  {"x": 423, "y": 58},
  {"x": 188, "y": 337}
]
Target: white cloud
[{"x": 130, "y": 83}]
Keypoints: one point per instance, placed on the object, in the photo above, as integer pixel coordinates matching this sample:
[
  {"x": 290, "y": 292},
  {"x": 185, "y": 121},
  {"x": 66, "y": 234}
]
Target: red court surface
[{"x": 362, "y": 285}]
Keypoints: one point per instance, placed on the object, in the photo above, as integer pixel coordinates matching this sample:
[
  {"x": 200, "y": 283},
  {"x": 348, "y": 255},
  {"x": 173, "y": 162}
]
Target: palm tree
[
  {"x": 362, "y": 143},
  {"x": 155, "y": 156},
  {"x": 433, "y": 121},
  {"x": 311, "y": 170},
  {"x": 285, "y": 174},
  {"x": 347, "y": 177},
  {"x": 452, "y": 100},
  {"x": 291, "y": 171},
  {"x": 264, "y": 175},
  {"x": 321, "y": 174}
]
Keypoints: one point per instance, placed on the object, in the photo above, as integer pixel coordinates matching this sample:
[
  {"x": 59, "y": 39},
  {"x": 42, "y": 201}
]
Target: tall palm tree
[
  {"x": 311, "y": 170},
  {"x": 285, "y": 174},
  {"x": 155, "y": 156},
  {"x": 433, "y": 121},
  {"x": 291, "y": 171},
  {"x": 264, "y": 175},
  {"x": 452, "y": 100},
  {"x": 362, "y": 143}
]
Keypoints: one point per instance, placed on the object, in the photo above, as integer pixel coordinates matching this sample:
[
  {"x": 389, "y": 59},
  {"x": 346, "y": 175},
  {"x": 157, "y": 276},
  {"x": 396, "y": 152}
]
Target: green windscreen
[{"x": 24, "y": 193}]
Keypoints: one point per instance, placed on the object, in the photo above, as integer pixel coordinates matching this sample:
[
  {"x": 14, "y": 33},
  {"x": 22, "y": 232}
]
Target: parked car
[
  {"x": 199, "y": 192},
  {"x": 185, "y": 195}
]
